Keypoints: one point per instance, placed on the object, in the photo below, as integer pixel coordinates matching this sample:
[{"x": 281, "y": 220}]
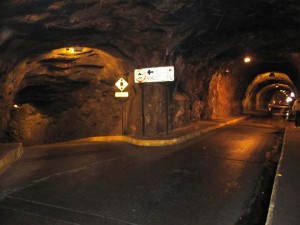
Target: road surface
[{"x": 211, "y": 180}]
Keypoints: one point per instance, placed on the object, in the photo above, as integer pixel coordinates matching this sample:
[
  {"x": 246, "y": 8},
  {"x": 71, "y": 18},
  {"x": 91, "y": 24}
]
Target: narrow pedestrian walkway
[{"x": 285, "y": 201}]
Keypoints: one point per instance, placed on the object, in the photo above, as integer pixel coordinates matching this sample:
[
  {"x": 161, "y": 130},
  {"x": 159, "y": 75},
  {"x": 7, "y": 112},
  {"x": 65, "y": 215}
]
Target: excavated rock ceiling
[
  {"x": 141, "y": 32},
  {"x": 196, "y": 29}
]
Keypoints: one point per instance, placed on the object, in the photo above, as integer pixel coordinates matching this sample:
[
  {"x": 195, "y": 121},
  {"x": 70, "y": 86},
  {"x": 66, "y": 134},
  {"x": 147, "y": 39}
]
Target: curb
[
  {"x": 272, "y": 204},
  {"x": 12, "y": 152},
  {"x": 163, "y": 142}
]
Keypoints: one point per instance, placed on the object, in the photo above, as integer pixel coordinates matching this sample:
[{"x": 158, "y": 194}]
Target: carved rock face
[{"x": 60, "y": 60}]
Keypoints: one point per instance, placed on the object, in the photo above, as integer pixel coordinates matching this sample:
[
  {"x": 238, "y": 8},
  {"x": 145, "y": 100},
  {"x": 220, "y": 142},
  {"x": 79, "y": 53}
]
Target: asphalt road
[{"x": 211, "y": 180}]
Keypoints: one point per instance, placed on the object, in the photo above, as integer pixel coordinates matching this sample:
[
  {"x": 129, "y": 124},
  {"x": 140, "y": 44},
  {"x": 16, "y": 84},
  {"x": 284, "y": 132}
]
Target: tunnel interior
[
  {"x": 60, "y": 60},
  {"x": 269, "y": 88}
]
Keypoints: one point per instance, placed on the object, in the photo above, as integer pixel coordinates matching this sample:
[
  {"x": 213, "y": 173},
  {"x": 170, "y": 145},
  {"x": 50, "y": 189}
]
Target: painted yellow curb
[
  {"x": 14, "y": 152},
  {"x": 163, "y": 142}
]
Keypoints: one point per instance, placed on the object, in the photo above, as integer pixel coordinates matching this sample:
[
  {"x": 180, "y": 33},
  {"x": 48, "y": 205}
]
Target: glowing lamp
[
  {"x": 289, "y": 99},
  {"x": 247, "y": 59}
]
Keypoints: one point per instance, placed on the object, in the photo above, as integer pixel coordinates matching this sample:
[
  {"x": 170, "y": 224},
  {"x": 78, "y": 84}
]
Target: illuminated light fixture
[
  {"x": 71, "y": 50},
  {"x": 16, "y": 106},
  {"x": 292, "y": 95},
  {"x": 289, "y": 99},
  {"x": 227, "y": 70},
  {"x": 272, "y": 74},
  {"x": 77, "y": 49},
  {"x": 74, "y": 50},
  {"x": 247, "y": 59},
  {"x": 276, "y": 85}
]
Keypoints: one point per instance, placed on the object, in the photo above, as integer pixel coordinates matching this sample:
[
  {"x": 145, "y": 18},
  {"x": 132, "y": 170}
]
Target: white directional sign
[
  {"x": 121, "y": 84},
  {"x": 155, "y": 74}
]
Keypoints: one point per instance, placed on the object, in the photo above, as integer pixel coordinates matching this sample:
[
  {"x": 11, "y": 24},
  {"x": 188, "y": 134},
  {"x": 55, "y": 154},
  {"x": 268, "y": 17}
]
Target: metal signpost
[
  {"x": 154, "y": 74},
  {"x": 121, "y": 84}
]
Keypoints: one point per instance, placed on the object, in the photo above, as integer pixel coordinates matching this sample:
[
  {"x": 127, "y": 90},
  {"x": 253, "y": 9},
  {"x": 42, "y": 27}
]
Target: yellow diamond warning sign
[{"x": 121, "y": 84}]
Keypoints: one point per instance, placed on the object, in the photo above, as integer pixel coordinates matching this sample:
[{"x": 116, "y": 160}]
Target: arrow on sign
[{"x": 149, "y": 72}]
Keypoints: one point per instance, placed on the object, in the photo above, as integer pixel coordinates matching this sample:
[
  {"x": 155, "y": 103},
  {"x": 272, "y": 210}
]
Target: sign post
[
  {"x": 155, "y": 74},
  {"x": 121, "y": 84}
]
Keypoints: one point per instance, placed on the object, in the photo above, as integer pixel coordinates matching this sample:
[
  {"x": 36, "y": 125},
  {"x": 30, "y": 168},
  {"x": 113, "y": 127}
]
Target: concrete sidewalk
[
  {"x": 174, "y": 137},
  {"x": 285, "y": 201},
  {"x": 10, "y": 152}
]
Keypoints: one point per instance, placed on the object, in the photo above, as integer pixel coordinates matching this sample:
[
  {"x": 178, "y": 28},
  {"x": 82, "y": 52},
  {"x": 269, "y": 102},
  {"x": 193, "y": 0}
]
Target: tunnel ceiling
[
  {"x": 199, "y": 30},
  {"x": 144, "y": 33}
]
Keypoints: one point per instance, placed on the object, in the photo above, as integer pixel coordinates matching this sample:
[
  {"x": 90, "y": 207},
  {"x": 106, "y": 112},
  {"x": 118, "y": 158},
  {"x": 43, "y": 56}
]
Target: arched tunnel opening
[
  {"x": 64, "y": 94},
  {"x": 268, "y": 89}
]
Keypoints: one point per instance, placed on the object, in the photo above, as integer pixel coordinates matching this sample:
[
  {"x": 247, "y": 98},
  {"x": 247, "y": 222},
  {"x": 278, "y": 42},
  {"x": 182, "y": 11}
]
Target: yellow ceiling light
[
  {"x": 247, "y": 59},
  {"x": 73, "y": 50},
  {"x": 68, "y": 51}
]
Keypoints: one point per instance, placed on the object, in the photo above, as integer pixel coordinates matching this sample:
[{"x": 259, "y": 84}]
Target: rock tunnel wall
[
  {"x": 62, "y": 97},
  {"x": 73, "y": 98},
  {"x": 222, "y": 101}
]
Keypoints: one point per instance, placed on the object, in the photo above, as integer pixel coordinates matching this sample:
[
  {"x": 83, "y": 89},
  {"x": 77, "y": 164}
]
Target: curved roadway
[{"x": 211, "y": 180}]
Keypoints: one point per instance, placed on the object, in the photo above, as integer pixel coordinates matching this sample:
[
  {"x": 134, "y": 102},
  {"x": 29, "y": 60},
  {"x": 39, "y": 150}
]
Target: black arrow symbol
[{"x": 149, "y": 72}]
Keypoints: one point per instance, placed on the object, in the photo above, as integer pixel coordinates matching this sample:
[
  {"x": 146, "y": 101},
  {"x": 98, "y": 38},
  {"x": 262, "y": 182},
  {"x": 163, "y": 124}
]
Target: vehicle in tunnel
[
  {"x": 280, "y": 110},
  {"x": 281, "y": 104},
  {"x": 292, "y": 113}
]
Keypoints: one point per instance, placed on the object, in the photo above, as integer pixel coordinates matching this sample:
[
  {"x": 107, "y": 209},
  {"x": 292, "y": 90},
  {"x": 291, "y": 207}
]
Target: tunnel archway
[
  {"x": 264, "y": 86},
  {"x": 270, "y": 92},
  {"x": 66, "y": 93}
]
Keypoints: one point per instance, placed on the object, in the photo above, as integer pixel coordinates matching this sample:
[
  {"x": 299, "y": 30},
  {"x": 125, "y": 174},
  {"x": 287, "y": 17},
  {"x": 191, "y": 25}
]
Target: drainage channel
[{"x": 258, "y": 211}]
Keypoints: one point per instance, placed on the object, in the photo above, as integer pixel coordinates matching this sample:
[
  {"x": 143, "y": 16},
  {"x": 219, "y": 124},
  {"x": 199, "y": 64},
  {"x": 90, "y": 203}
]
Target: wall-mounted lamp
[
  {"x": 247, "y": 59},
  {"x": 74, "y": 50},
  {"x": 16, "y": 106}
]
